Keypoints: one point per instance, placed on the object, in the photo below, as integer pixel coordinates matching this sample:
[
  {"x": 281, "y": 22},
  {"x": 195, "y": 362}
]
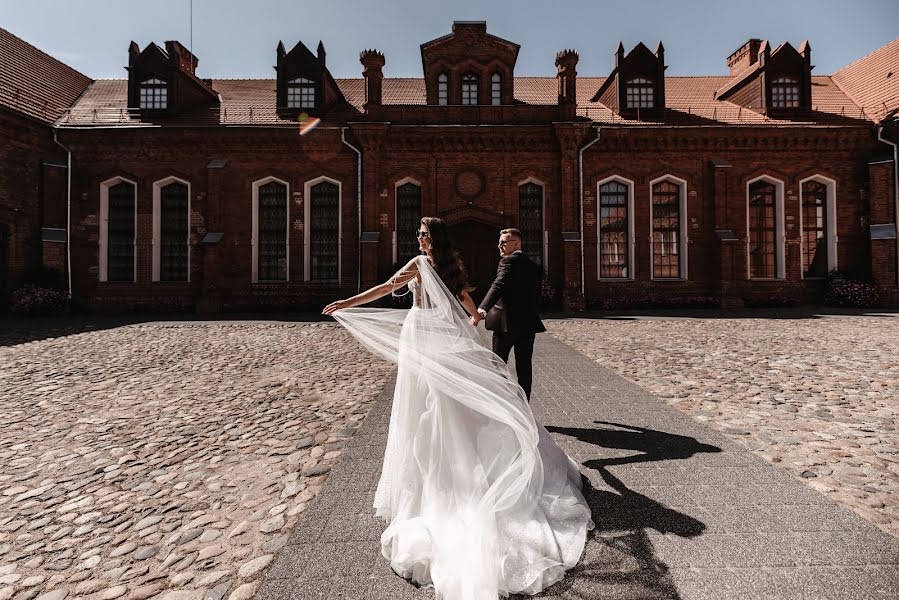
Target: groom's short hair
[{"x": 512, "y": 232}]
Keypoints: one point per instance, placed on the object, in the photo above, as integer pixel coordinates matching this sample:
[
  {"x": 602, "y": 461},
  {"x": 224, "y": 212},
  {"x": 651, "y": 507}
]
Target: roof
[
  {"x": 34, "y": 83},
  {"x": 873, "y": 81},
  {"x": 690, "y": 102}
]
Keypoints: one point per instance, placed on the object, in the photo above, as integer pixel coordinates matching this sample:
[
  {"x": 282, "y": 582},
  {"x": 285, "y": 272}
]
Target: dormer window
[
  {"x": 469, "y": 89},
  {"x": 300, "y": 93},
  {"x": 496, "y": 87},
  {"x": 442, "y": 89},
  {"x": 154, "y": 94},
  {"x": 785, "y": 93},
  {"x": 639, "y": 93}
]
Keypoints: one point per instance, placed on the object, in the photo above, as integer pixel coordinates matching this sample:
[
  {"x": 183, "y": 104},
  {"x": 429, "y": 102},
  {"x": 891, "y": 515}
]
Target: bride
[{"x": 478, "y": 498}]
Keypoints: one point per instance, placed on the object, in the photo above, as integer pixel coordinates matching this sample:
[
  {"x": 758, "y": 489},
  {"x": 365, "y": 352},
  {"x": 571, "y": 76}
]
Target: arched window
[
  {"x": 270, "y": 235},
  {"x": 442, "y": 89},
  {"x": 784, "y": 93},
  {"x": 173, "y": 231},
  {"x": 300, "y": 93},
  {"x": 408, "y": 218},
  {"x": 154, "y": 94},
  {"x": 763, "y": 226},
  {"x": 530, "y": 220},
  {"x": 469, "y": 89},
  {"x": 666, "y": 230},
  {"x": 814, "y": 229},
  {"x": 496, "y": 89},
  {"x": 118, "y": 229},
  {"x": 639, "y": 93},
  {"x": 324, "y": 246},
  {"x": 614, "y": 230}
]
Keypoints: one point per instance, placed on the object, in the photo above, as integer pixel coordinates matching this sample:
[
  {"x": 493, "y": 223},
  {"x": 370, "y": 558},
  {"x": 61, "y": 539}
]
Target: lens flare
[{"x": 307, "y": 123}]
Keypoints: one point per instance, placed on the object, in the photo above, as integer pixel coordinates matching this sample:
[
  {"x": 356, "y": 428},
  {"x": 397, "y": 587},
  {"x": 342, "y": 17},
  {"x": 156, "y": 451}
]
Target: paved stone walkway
[{"x": 682, "y": 512}]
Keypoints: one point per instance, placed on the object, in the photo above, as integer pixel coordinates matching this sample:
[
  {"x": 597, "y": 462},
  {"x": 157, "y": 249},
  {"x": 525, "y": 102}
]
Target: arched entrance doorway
[{"x": 476, "y": 243}]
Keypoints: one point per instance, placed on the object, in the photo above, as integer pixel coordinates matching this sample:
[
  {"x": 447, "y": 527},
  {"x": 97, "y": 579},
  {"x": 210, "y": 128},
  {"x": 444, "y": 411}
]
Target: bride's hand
[{"x": 335, "y": 306}]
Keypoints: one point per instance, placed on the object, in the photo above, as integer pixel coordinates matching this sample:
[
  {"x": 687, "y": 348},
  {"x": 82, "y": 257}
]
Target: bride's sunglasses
[{"x": 422, "y": 234}]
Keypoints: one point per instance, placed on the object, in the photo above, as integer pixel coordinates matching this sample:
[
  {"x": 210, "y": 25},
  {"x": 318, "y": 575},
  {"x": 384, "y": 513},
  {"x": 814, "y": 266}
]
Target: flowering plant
[
  {"x": 33, "y": 300},
  {"x": 842, "y": 290}
]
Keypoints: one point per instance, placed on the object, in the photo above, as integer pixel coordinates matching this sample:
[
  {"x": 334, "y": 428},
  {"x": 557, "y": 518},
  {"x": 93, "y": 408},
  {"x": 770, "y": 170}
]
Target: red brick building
[{"x": 216, "y": 194}]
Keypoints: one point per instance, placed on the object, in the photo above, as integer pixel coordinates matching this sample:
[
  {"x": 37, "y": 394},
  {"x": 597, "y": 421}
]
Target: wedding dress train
[{"x": 479, "y": 500}]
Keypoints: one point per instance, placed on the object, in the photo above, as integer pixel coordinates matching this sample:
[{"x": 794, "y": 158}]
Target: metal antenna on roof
[{"x": 191, "y": 30}]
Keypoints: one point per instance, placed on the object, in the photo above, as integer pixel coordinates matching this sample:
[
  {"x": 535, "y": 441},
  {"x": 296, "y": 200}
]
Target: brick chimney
[
  {"x": 372, "y": 63},
  {"x": 566, "y": 72},
  {"x": 744, "y": 56}
]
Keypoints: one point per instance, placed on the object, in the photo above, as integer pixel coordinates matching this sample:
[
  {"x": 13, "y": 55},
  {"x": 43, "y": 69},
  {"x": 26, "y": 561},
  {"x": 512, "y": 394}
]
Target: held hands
[
  {"x": 477, "y": 317},
  {"x": 335, "y": 306}
]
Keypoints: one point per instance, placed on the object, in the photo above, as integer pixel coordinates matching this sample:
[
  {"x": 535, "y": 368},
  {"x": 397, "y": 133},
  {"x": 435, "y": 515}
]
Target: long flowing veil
[{"x": 479, "y": 499}]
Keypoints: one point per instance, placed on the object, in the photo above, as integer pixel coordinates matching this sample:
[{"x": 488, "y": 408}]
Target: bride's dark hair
[{"x": 444, "y": 256}]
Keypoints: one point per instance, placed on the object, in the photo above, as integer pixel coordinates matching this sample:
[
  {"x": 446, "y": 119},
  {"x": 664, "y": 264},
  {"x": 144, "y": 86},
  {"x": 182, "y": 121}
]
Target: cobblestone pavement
[
  {"x": 681, "y": 511},
  {"x": 168, "y": 459},
  {"x": 817, "y": 396}
]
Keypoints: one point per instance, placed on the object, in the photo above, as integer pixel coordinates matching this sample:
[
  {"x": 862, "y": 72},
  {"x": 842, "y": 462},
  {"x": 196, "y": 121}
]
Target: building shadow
[
  {"x": 786, "y": 313},
  {"x": 619, "y": 560}
]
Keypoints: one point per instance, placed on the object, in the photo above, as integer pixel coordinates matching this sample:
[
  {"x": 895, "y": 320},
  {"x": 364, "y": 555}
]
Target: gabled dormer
[
  {"x": 304, "y": 83},
  {"x": 773, "y": 82},
  {"x": 469, "y": 66},
  {"x": 163, "y": 82},
  {"x": 636, "y": 87}
]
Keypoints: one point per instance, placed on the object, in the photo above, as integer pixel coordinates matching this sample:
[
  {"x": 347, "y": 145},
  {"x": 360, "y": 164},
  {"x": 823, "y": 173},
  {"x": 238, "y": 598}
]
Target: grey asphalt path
[{"x": 681, "y": 511}]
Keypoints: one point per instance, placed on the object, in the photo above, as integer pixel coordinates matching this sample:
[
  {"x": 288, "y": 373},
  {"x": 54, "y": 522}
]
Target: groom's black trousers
[{"x": 524, "y": 353}]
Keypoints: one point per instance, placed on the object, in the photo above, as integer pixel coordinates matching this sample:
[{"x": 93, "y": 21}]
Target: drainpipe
[
  {"x": 358, "y": 207},
  {"x": 895, "y": 191},
  {"x": 580, "y": 174},
  {"x": 68, "y": 212}
]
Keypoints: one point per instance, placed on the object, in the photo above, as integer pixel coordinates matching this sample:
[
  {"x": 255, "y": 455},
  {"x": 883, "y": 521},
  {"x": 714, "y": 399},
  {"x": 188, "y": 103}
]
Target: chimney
[
  {"x": 372, "y": 62},
  {"x": 321, "y": 54},
  {"x": 180, "y": 57},
  {"x": 566, "y": 63},
  {"x": 744, "y": 56}
]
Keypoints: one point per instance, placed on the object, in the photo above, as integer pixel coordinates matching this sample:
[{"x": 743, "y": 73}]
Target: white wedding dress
[{"x": 480, "y": 500}]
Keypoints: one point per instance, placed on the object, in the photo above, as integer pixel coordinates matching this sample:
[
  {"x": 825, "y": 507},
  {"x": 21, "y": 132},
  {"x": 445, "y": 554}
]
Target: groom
[{"x": 510, "y": 306}]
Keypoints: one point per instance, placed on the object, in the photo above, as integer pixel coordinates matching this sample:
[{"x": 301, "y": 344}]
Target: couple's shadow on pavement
[{"x": 619, "y": 561}]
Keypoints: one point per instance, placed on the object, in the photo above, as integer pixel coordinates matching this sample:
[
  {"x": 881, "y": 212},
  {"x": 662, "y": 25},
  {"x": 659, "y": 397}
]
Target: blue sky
[{"x": 237, "y": 38}]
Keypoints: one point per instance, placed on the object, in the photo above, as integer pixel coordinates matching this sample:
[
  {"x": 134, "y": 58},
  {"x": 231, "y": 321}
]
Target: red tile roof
[
  {"x": 34, "y": 83},
  {"x": 690, "y": 101},
  {"x": 873, "y": 81}
]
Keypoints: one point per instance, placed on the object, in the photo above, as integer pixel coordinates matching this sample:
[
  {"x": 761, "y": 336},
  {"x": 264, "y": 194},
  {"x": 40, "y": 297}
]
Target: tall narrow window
[
  {"x": 408, "y": 218},
  {"x": 784, "y": 93},
  {"x": 173, "y": 230},
  {"x": 666, "y": 222},
  {"x": 154, "y": 94},
  {"x": 814, "y": 229},
  {"x": 639, "y": 93},
  {"x": 530, "y": 220},
  {"x": 614, "y": 247},
  {"x": 272, "y": 236},
  {"x": 325, "y": 233},
  {"x": 300, "y": 93},
  {"x": 762, "y": 229},
  {"x": 442, "y": 89},
  {"x": 120, "y": 233},
  {"x": 469, "y": 89},
  {"x": 496, "y": 89}
]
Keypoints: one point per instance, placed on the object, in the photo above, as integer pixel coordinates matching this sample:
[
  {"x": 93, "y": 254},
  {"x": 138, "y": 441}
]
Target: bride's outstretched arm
[{"x": 401, "y": 278}]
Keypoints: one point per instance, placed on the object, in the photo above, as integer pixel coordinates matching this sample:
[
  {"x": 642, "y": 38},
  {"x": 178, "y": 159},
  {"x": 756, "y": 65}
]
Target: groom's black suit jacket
[{"x": 514, "y": 292}]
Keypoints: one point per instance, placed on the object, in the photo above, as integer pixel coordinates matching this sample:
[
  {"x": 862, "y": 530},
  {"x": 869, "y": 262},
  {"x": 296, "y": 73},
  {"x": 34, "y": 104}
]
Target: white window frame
[
  {"x": 396, "y": 210},
  {"x": 300, "y": 85},
  {"x": 151, "y": 85},
  {"x": 682, "y": 245},
  {"x": 631, "y": 244},
  {"x": 496, "y": 89},
  {"x": 466, "y": 82},
  {"x": 442, "y": 89},
  {"x": 545, "y": 240},
  {"x": 830, "y": 231},
  {"x": 255, "y": 236},
  {"x": 103, "y": 270},
  {"x": 307, "y": 227},
  {"x": 779, "y": 228},
  {"x": 157, "y": 225}
]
